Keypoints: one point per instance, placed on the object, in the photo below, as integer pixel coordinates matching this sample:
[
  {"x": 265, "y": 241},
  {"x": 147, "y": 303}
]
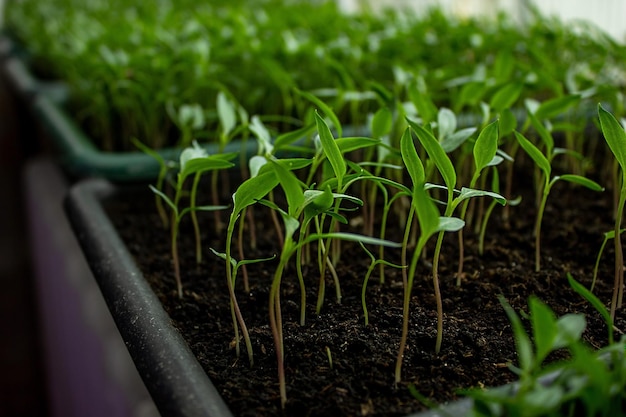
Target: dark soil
[{"x": 477, "y": 345}]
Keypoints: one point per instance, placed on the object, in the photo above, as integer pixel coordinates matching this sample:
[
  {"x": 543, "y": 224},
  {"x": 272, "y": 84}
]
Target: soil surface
[{"x": 338, "y": 366}]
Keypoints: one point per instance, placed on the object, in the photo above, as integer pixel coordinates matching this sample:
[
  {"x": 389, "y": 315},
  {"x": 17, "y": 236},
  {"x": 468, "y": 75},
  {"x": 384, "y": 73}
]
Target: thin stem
[
  {"x": 179, "y": 284},
  {"x": 618, "y": 285},
  {"x": 438, "y": 292},
  {"x": 537, "y": 229},
  {"x": 276, "y": 327},
  {"x": 246, "y": 281},
  {"x": 483, "y": 227},
  {"x": 230, "y": 281},
  {"x": 407, "y": 282},
  {"x": 194, "y": 217}
]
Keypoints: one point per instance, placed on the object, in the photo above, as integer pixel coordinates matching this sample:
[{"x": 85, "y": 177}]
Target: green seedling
[
  {"x": 430, "y": 223},
  {"x": 446, "y": 169},
  {"x": 369, "y": 272},
  {"x": 484, "y": 152},
  {"x": 248, "y": 193},
  {"x": 297, "y": 202},
  {"x": 193, "y": 161},
  {"x": 495, "y": 186},
  {"x": 615, "y": 137},
  {"x": 189, "y": 118},
  {"x": 164, "y": 168},
  {"x": 544, "y": 165},
  {"x": 590, "y": 382},
  {"x": 607, "y": 236}
]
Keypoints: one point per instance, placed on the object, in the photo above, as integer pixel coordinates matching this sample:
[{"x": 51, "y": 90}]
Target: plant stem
[
  {"x": 537, "y": 229},
  {"x": 438, "y": 292},
  {"x": 194, "y": 217},
  {"x": 618, "y": 285},
  {"x": 407, "y": 284},
  {"x": 233, "y": 298},
  {"x": 174, "y": 245},
  {"x": 276, "y": 326}
]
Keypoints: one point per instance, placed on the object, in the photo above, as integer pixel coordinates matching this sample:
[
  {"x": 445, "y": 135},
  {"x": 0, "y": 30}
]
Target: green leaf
[
  {"x": 165, "y": 198},
  {"x": 594, "y": 301},
  {"x": 263, "y": 135},
  {"x": 427, "y": 213},
  {"x": 424, "y": 105},
  {"x": 353, "y": 237},
  {"x": 450, "y": 224},
  {"x": 226, "y": 113},
  {"x": 148, "y": 151},
  {"x": 522, "y": 341},
  {"x": 209, "y": 163},
  {"x": 328, "y": 112},
  {"x": 437, "y": 154},
  {"x": 331, "y": 149},
  {"x": 543, "y": 132},
  {"x": 571, "y": 328},
  {"x": 557, "y": 106},
  {"x": 253, "y": 189},
  {"x": 536, "y": 155},
  {"x": 471, "y": 193},
  {"x": 614, "y": 134},
  {"x": 453, "y": 141},
  {"x": 355, "y": 143},
  {"x": 508, "y": 122},
  {"x": 543, "y": 322},
  {"x": 288, "y": 138},
  {"x": 201, "y": 208},
  {"x": 291, "y": 186},
  {"x": 506, "y": 96},
  {"x": 191, "y": 152},
  {"x": 446, "y": 122},
  {"x": 486, "y": 146},
  {"x": 580, "y": 180},
  {"x": 382, "y": 122},
  {"x": 411, "y": 159}
]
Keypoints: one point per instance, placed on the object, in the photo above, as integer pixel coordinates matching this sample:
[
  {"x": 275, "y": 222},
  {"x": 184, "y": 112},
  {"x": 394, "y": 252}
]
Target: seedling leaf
[
  {"x": 331, "y": 149},
  {"x": 580, "y": 180},
  {"x": 614, "y": 134},
  {"x": 536, "y": 155},
  {"x": 486, "y": 146}
]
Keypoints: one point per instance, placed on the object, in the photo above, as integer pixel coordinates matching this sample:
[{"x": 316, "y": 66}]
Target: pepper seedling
[
  {"x": 193, "y": 161},
  {"x": 543, "y": 162}
]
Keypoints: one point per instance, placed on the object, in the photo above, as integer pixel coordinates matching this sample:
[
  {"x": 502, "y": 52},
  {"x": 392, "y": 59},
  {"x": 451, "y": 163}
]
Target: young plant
[
  {"x": 615, "y": 137},
  {"x": 297, "y": 203},
  {"x": 193, "y": 161},
  {"x": 430, "y": 223},
  {"x": 248, "y": 193},
  {"x": 543, "y": 162},
  {"x": 607, "y": 236},
  {"x": 484, "y": 152},
  {"x": 446, "y": 169},
  {"x": 164, "y": 167},
  {"x": 590, "y": 383}
]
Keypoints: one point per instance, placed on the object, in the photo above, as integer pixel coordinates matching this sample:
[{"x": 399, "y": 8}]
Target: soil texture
[{"x": 338, "y": 366}]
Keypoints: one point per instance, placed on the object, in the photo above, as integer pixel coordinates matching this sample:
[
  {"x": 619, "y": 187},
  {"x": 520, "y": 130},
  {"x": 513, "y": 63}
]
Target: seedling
[
  {"x": 430, "y": 223},
  {"x": 297, "y": 203},
  {"x": 193, "y": 161},
  {"x": 592, "y": 381},
  {"x": 446, "y": 169},
  {"x": 615, "y": 137},
  {"x": 544, "y": 165}
]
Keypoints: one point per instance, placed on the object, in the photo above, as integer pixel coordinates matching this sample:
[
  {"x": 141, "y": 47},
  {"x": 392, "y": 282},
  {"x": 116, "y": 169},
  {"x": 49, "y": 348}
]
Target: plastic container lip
[{"x": 170, "y": 371}]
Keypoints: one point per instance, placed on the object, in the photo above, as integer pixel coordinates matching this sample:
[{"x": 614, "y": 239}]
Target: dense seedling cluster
[
  {"x": 161, "y": 72},
  {"x": 357, "y": 120}
]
